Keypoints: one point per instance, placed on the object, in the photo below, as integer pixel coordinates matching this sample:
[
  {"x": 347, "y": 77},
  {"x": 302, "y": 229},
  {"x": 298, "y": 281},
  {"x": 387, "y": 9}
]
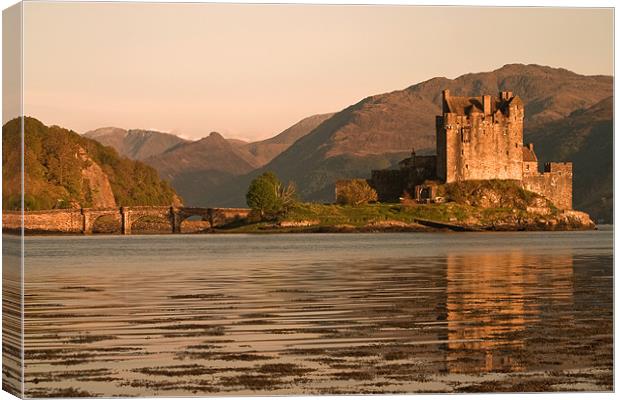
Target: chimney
[
  {"x": 530, "y": 146},
  {"x": 445, "y": 95},
  {"x": 486, "y": 104},
  {"x": 505, "y": 96}
]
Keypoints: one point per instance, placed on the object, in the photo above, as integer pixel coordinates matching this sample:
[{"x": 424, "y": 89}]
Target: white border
[{"x": 489, "y": 3}]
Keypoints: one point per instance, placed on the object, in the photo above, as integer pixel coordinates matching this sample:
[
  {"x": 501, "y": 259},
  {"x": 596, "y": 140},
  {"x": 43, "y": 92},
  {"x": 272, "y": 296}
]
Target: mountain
[
  {"x": 238, "y": 143},
  {"x": 63, "y": 169},
  {"x": 381, "y": 129},
  {"x": 267, "y": 150},
  {"x": 195, "y": 168},
  {"x": 137, "y": 144},
  {"x": 585, "y": 137}
]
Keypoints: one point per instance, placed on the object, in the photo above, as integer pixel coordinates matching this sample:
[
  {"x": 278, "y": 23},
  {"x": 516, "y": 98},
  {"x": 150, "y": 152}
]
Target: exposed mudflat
[{"x": 312, "y": 314}]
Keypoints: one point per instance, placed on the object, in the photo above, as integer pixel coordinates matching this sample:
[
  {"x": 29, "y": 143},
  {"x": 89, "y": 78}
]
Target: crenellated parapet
[{"x": 555, "y": 183}]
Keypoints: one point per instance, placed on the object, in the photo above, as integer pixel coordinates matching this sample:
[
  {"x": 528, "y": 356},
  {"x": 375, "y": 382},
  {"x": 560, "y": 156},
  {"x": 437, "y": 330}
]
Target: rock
[
  {"x": 577, "y": 220},
  {"x": 296, "y": 224},
  {"x": 539, "y": 210},
  {"x": 97, "y": 181}
]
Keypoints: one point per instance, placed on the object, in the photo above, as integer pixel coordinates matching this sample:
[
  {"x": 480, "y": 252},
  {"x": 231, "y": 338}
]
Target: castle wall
[
  {"x": 556, "y": 184},
  {"x": 389, "y": 184},
  {"x": 440, "y": 140},
  {"x": 480, "y": 138},
  {"x": 483, "y": 147},
  {"x": 530, "y": 168}
]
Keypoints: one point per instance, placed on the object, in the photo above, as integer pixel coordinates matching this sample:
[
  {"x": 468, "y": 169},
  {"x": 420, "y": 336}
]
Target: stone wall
[
  {"x": 62, "y": 221},
  {"x": 480, "y": 144},
  {"x": 555, "y": 183},
  {"x": 388, "y": 183},
  {"x": 391, "y": 185}
]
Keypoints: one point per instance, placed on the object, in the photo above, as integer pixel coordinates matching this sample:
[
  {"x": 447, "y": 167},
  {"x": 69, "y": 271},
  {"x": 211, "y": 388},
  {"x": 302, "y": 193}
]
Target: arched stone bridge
[
  {"x": 175, "y": 215},
  {"x": 84, "y": 220}
]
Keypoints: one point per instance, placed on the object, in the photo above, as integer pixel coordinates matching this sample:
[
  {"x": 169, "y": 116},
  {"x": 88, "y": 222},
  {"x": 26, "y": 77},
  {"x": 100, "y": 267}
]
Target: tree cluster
[
  {"x": 268, "y": 197},
  {"x": 53, "y": 170}
]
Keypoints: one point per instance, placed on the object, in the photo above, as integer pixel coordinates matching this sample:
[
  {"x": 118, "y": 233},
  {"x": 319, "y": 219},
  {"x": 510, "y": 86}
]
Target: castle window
[
  {"x": 527, "y": 167},
  {"x": 465, "y": 135},
  {"x": 516, "y": 145},
  {"x": 506, "y": 152},
  {"x": 462, "y": 152},
  {"x": 466, "y": 166}
]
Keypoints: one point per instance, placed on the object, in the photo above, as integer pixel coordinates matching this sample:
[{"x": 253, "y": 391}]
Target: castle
[{"x": 478, "y": 138}]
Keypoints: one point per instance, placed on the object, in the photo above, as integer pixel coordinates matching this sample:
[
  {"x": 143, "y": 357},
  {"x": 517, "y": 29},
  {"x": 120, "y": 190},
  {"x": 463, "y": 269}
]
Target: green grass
[
  {"x": 362, "y": 215},
  {"x": 331, "y": 215}
]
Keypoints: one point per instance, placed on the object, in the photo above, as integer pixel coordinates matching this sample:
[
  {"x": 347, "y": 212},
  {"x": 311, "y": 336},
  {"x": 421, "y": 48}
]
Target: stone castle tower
[{"x": 480, "y": 138}]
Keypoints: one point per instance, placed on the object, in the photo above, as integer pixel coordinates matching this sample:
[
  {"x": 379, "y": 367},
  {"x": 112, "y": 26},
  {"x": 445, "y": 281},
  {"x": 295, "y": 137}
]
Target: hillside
[
  {"x": 64, "y": 170},
  {"x": 195, "y": 168},
  {"x": 267, "y": 150},
  {"x": 382, "y": 129},
  {"x": 585, "y": 137},
  {"x": 137, "y": 144}
]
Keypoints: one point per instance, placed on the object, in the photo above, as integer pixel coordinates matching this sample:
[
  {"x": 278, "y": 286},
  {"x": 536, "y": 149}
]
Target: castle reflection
[{"x": 492, "y": 301}]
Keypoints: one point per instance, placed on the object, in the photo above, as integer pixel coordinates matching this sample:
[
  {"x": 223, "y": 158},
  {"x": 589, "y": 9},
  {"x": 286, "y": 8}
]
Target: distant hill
[
  {"x": 585, "y": 137},
  {"x": 379, "y": 130},
  {"x": 267, "y": 150},
  {"x": 137, "y": 144},
  {"x": 64, "y": 169},
  {"x": 195, "y": 168}
]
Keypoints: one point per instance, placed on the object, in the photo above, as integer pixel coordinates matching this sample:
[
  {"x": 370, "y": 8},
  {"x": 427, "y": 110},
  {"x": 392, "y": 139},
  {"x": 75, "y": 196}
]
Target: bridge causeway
[{"x": 83, "y": 220}]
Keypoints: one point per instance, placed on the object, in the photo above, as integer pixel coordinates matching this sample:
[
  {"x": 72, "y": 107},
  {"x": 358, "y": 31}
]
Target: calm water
[{"x": 281, "y": 314}]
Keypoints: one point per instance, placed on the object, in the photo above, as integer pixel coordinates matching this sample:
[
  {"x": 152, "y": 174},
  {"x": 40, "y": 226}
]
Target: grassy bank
[
  {"x": 471, "y": 205},
  {"x": 313, "y": 217}
]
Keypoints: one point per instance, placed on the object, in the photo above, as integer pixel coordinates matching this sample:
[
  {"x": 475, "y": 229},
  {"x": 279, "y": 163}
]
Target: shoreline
[
  {"x": 303, "y": 218},
  {"x": 313, "y": 230}
]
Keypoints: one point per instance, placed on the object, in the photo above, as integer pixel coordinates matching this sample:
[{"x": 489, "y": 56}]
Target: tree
[
  {"x": 268, "y": 196},
  {"x": 355, "y": 192}
]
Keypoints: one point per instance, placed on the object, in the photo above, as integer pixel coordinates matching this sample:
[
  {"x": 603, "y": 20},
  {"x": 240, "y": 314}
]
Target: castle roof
[
  {"x": 529, "y": 155},
  {"x": 466, "y": 105}
]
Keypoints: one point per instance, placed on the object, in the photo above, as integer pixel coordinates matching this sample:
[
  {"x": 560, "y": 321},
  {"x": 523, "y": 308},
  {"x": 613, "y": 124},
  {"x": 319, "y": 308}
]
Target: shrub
[{"x": 355, "y": 192}]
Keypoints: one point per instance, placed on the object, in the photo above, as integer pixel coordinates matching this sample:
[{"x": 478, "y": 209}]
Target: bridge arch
[
  {"x": 90, "y": 216},
  {"x": 201, "y": 219},
  {"x": 146, "y": 219},
  {"x": 107, "y": 224}
]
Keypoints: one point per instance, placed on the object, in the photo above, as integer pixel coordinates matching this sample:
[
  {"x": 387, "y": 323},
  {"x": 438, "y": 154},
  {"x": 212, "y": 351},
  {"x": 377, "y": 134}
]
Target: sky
[{"x": 250, "y": 71}]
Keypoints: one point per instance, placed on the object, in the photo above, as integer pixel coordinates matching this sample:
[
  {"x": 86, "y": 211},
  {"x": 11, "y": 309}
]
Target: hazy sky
[{"x": 250, "y": 71}]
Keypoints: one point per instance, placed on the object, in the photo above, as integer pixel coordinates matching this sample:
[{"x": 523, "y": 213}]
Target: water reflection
[
  {"x": 491, "y": 300},
  {"x": 11, "y": 315},
  {"x": 307, "y": 315}
]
